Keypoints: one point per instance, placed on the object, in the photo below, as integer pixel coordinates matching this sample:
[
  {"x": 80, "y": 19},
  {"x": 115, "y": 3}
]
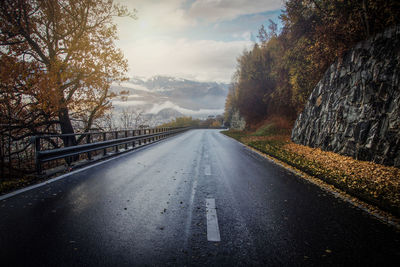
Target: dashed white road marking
[
  {"x": 207, "y": 170},
  {"x": 212, "y": 221}
]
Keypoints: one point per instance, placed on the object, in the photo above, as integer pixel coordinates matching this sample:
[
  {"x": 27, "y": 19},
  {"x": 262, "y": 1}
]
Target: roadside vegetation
[
  {"x": 210, "y": 122},
  {"x": 373, "y": 183},
  {"x": 276, "y": 76},
  {"x": 15, "y": 184}
]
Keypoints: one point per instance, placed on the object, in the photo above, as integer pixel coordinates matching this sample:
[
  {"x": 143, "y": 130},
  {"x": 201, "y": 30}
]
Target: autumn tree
[
  {"x": 276, "y": 77},
  {"x": 63, "y": 56},
  {"x": 317, "y": 32},
  {"x": 230, "y": 103},
  {"x": 255, "y": 83},
  {"x": 182, "y": 122},
  {"x": 265, "y": 35}
]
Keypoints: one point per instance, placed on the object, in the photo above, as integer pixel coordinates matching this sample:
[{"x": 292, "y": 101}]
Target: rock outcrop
[{"x": 355, "y": 109}]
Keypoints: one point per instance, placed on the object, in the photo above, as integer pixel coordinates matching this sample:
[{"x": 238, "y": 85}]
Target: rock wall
[{"x": 355, "y": 109}]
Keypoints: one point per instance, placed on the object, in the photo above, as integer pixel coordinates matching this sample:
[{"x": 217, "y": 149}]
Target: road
[{"x": 149, "y": 208}]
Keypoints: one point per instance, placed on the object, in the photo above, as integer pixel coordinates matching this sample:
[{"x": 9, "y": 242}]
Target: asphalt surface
[{"x": 149, "y": 208}]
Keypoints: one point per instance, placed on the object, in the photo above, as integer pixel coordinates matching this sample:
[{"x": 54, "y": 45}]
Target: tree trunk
[
  {"x": 66, "y": 128},
  {"x": 365, "y": 18},
  {"x": 65, "y": 122}
]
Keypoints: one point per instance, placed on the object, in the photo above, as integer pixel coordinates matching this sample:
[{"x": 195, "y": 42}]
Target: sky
[{"x": 192, "y": 39}]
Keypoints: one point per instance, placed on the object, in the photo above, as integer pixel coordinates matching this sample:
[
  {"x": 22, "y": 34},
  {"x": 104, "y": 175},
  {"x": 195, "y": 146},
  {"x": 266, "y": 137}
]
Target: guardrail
[{"x": 129, "y": 140}]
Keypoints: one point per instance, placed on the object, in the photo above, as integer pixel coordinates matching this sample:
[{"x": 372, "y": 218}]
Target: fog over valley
[{"x": 162, "y": 98}]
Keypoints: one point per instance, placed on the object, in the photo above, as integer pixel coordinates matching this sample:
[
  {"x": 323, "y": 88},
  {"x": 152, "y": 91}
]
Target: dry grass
[{"x": 250, "y": 138}]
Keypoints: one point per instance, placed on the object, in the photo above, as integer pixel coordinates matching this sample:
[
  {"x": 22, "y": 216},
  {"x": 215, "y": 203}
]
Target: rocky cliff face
[{"x": 355, "y": 109}]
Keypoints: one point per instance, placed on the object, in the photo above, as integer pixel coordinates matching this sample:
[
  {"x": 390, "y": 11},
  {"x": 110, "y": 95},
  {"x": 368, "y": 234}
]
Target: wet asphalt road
[{"x": 149, "y": 208}]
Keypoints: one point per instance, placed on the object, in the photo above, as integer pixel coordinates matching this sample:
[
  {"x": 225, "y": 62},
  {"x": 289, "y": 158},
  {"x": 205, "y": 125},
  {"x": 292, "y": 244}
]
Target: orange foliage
[
  {"x": 358, "y": 170},
  {"x": 68, "y": 48}
]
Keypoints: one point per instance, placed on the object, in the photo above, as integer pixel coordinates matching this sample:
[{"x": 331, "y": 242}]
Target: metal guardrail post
[
  {"x": 104, "y": 139},
  {"x": 2, "y": 175},
  {"x": 36, "y": 143},
  {"x": 126, "y": 135},
  {"x": 133, "y": 142},
  {"x": 116, "y": 137},
  {"x": 140, "y": 141},
  {"x": 89, "y": 154}
]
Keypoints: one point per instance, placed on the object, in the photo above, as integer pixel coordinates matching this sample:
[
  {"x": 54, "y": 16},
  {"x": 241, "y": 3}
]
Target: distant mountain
[
  {"x": 176, "y": 87},
  {"x": 164, "y": 115},
  {"x": 164, "y": 98}
]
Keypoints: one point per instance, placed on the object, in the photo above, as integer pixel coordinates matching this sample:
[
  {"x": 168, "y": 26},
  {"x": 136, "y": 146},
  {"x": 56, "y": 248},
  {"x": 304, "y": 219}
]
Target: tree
[
  {"x": 317, "y": 32},
  {"x": 230, "y": 103},
  {"x": 237, "y": 121},
  {"x": 108, "y": 121},
  {"x": 64, "y": 55},
  {"x": 131, "y": 118},
  {"x": 182, "y": 122},
  {"x": 254, "y": 84},
  {"x": 264, "y": 36},
  {"x": 276, "y": 77}
]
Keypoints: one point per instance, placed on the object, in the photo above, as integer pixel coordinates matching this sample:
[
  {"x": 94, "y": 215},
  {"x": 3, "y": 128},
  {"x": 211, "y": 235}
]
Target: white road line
[
  {"x": 212, "y": 221},
  {"x": 207, "y": 170}
]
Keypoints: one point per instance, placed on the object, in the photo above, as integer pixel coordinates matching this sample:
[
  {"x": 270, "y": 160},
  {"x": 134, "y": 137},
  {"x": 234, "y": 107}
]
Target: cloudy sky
[{"x": 193, "y": 39}]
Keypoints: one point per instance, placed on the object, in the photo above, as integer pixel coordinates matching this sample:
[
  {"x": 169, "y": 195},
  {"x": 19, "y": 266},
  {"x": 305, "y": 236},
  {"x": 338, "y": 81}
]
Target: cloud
[
  {"x": 190, "y": 39},
  {"x": 154, "y": 17},
  {"x": 129, "y": 103},
  {"x": 168, "y": 104},
  {"x": 204, "y": 60},
  {"x": 133, "y": 86},
  {"x": 220, "y": 10}
]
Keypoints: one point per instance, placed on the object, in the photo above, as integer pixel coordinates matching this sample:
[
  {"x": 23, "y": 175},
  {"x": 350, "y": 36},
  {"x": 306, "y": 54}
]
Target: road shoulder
[{"x": 373, "y": 210}]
